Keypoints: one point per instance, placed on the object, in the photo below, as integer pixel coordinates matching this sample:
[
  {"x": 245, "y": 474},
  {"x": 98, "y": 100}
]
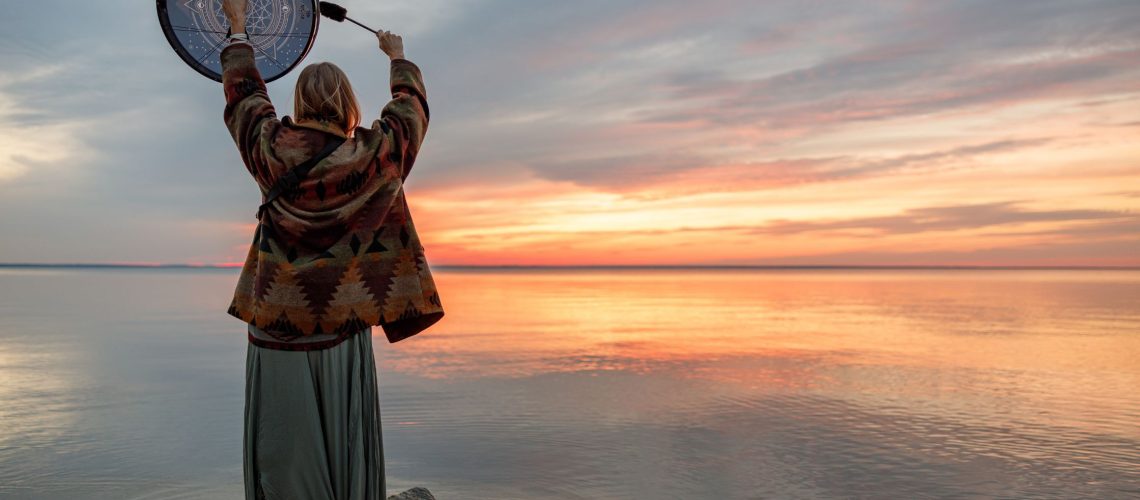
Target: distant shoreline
[{"x": 20, "y": 265}]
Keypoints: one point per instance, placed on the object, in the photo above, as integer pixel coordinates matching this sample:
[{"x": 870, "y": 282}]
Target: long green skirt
[{"x": 312, "y": 423}]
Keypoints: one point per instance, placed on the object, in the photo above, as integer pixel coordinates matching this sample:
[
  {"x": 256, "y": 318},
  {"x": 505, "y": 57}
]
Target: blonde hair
[{"x": 324, "y": 94}]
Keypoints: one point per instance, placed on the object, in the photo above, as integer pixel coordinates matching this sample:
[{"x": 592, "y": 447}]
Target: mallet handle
[{"x": 358, "y": 24}]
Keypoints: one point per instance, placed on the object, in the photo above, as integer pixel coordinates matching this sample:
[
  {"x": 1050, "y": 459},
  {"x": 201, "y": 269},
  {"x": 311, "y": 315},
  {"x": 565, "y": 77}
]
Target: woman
[{"x": 334, "y": 254}]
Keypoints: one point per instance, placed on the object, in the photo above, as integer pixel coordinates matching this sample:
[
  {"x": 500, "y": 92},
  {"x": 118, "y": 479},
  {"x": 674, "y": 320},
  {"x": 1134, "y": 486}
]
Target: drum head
[{"x": 281, "y": 32}]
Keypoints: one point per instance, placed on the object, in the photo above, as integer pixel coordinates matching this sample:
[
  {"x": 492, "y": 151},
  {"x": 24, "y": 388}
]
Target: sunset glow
[{"x": 713, "y": 133}]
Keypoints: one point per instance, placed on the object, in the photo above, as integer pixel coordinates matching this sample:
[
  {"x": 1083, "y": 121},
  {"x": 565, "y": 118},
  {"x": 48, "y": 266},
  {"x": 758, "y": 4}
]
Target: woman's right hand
[
  {"x": 235, "y": 13},
  {"x": 391, "y": 44}
]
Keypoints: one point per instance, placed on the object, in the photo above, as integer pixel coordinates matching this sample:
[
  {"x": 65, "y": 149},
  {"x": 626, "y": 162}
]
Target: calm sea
[{"x": 597, "y": 384}]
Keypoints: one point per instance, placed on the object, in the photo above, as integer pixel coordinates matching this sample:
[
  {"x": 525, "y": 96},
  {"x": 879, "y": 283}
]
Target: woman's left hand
[
  {"x": 391, "y": 43},
  {"x": 235, "y": 12}
]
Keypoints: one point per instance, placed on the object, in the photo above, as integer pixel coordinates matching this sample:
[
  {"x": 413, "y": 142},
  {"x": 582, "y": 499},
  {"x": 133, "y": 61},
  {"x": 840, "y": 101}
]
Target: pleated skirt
[{"x": 312, "y": 423}]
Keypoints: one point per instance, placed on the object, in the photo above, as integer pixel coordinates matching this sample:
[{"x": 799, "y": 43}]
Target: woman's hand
[
  {"x": 391, "y": 44},
  {"x": 235, "y": 13}
]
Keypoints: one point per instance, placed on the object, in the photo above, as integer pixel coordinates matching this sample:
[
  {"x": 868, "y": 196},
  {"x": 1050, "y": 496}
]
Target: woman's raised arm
[
  {"x": 404, "y": 120},
  {"x": 249, "y": 115}
]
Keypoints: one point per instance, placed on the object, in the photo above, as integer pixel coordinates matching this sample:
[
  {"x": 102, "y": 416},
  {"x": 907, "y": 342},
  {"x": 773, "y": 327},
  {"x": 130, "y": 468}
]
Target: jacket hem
[{"x": 404, "y": 328}]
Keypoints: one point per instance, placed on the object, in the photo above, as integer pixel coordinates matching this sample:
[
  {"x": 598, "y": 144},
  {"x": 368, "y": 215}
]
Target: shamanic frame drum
[{"x": 281, "y": 32}]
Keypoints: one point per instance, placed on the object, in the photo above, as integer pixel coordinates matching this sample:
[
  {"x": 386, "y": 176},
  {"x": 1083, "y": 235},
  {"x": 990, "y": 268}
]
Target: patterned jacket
[{"x": 339, "y": 253}]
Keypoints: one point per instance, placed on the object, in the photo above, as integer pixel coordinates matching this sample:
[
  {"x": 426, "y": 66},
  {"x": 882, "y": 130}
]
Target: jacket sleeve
[
  {"x": 404, "y": 119},
  {"x": 249, "y": 115}
]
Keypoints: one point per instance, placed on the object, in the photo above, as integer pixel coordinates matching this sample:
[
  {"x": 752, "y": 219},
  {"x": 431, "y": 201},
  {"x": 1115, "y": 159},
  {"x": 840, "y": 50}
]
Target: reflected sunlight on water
[
  {"x": 799, "y": 329},
  {"x": 610, "y": 384}
]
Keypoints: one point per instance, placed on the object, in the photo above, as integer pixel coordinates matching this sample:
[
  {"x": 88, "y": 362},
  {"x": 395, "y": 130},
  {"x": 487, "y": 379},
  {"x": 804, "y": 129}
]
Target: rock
[{"x": 416, "y": 493}]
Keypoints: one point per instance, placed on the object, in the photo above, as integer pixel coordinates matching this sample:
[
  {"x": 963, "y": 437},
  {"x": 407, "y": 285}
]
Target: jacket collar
[{"x": 329, "y": 128}]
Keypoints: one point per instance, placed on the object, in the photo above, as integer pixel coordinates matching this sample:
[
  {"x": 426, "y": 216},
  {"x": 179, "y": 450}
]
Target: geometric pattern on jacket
[{"x": 340, "y": 252}]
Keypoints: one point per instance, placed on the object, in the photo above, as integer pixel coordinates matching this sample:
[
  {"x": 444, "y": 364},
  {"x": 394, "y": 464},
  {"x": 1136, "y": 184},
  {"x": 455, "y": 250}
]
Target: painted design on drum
[{"x": 280, "y": 31}]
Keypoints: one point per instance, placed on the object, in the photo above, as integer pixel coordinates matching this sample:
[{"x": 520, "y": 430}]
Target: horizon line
[{"x": 98, "y": 265}]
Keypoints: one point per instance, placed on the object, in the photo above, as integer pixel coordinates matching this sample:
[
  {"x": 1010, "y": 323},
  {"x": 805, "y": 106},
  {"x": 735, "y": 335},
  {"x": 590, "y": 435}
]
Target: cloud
[
  {"x": 594, "y": 115},
  {"x": 935, "y": 58},
  {"x": 951, "y": 218},
  {"x": 1093, "y": 222},
  {"x": 646, "y": 176}
]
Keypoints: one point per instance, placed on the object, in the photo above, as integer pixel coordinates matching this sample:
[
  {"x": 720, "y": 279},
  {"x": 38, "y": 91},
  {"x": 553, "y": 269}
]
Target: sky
[{"x": 720, "y": 132}]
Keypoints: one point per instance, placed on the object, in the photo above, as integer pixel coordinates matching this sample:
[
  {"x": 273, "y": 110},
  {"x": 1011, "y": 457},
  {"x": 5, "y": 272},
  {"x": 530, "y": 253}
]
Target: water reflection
[
  {"x": 1005, "y": 335},
  {"x": 890, "y": 317},
  {"x": 610, "y": 384}
]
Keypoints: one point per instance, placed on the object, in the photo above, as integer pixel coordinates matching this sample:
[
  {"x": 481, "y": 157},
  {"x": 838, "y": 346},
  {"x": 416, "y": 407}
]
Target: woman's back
[{"x": 340, "y": 252}]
